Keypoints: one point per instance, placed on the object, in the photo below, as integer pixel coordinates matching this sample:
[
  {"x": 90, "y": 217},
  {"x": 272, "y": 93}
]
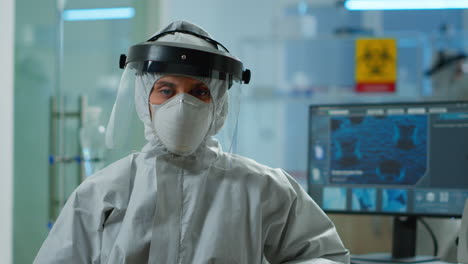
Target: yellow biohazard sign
[{"x": 376, "y": 65}]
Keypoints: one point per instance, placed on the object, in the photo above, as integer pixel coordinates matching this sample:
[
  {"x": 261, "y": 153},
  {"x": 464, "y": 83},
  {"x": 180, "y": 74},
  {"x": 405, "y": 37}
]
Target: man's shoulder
[
  {"x": 115, "y": 176},
  {"x": 251, "y": 165},
  {"x": 269, "y": 175},
  {"x": 110, "y": 187}
]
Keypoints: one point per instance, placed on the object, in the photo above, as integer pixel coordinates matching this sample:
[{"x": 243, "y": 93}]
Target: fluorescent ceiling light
[
  {"x": 404, "y": 4},
  {"x": 98, "y": 14}
]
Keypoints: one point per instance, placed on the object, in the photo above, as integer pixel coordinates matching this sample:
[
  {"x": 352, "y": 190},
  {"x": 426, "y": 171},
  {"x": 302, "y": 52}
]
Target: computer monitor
[{"x": 401, "y": 159}]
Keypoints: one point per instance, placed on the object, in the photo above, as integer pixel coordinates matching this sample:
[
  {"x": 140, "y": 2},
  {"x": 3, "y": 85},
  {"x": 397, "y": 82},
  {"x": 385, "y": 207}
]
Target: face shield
[{"x": 182, "y": 119}]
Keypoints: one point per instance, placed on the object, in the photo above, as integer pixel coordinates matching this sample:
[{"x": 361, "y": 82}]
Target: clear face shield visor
[{"x": 147, "y": 63}]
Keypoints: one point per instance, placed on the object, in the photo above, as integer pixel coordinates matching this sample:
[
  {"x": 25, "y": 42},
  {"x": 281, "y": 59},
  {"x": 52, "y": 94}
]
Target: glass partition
[{"x": 66, "y": 78}]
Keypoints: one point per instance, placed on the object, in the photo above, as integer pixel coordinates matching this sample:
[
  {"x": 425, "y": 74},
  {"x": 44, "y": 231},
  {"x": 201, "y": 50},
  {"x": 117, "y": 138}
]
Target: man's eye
[
  {"x": 165, "y": 92},
  {"x": 202, "y": 92}
]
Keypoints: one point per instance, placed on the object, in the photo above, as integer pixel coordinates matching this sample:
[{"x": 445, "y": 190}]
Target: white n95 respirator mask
[{"x": 182, "y": 123}]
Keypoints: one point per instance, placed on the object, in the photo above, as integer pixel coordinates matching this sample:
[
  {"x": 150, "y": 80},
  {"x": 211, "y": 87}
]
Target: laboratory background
[{"x": 60, "y": 76}]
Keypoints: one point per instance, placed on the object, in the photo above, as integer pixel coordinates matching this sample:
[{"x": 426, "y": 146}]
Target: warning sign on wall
[{"x": 376, "y": 65}]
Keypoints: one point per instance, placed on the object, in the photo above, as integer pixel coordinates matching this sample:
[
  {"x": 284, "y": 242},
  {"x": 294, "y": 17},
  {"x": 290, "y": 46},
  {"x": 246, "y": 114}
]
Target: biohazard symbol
[{"x": 376, "y": 60}]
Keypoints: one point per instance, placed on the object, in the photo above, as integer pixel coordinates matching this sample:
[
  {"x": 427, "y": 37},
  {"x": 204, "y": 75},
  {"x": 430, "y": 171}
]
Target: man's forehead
[{"x": 179, "y": 78}]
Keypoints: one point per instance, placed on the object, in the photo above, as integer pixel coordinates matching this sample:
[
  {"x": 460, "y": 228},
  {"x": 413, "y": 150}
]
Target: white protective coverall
[{"x": 208, "y": 207}]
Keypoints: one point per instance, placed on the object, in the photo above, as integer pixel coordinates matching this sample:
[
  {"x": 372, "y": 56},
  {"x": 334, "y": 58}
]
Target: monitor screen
[{"x": 398, "y": 159}]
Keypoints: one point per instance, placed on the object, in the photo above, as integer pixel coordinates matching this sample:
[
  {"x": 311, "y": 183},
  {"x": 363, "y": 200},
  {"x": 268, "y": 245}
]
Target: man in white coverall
[{"x": 181, "y": 199}]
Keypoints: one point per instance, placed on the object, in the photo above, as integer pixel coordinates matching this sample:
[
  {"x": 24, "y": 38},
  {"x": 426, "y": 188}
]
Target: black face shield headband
[{"x": 186, "y": 59}]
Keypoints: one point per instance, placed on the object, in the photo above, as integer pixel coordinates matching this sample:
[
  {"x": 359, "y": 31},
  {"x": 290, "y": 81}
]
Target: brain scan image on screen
[
  {"x": 388, "y": 149},
  {"x": 394, "y": 200},
  {"x": 364, "y": 199},
  {"x": 404, "y": 158},
  {"x": 400, "y": 159},
  {"x": 334, "y": 198}
]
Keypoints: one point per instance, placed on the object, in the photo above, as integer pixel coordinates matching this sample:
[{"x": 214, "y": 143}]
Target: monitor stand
[{"x": 403, "y": 245}]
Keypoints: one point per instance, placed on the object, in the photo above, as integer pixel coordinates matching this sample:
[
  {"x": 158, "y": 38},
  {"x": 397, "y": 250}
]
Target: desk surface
[
  {"x": 371, "y": 262},
  {"x": 380, "y": 258}
]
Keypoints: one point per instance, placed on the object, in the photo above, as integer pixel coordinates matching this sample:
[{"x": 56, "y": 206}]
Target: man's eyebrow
[
  {"x": 165, "y": 83},
  {"x": 200, "y": 84}
]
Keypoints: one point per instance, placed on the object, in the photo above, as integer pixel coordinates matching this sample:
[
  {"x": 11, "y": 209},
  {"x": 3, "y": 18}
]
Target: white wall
[
  {"x": 228, "y": 22},
  {"x": 7, "y": 15}
]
